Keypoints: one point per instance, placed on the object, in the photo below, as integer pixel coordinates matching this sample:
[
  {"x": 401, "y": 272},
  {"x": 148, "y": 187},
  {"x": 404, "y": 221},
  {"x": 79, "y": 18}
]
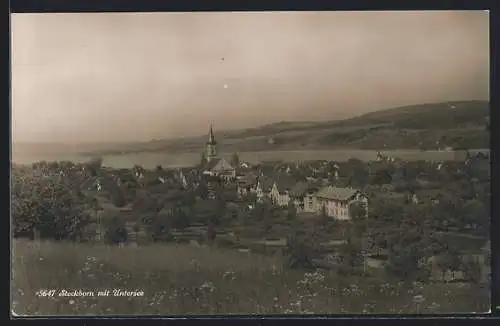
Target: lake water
[{"x": 173, "y": 160}]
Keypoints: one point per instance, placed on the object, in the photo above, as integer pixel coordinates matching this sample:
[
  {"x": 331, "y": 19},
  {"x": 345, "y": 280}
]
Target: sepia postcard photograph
[{"x": 250, "y": 163}]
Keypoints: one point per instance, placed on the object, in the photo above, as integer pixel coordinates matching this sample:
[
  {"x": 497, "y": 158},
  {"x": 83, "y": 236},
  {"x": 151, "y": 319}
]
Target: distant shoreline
[
  {"x": 90, "y": 154},
  {"x": 279, "y": 149},
  {"x": 185, "y": 159}
]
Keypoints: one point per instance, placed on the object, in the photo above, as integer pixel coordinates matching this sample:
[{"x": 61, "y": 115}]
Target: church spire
[
  {"x": 211, "y": 137},
  {"x": 211, "y": 145}
]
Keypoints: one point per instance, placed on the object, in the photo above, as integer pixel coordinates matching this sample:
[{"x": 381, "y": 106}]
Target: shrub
[
  {"x": 298, "y": 254},
  {"x": 472, "y": 270},
  {"x": 118, "y": 199},
  {"x": 115, "y": 231}
]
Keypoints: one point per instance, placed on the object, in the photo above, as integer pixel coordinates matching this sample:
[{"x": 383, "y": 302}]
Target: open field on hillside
[{"x": 190, "y": 280}]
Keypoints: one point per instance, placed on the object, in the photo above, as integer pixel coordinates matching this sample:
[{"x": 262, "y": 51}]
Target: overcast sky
[{"x": 137, "y": 76}]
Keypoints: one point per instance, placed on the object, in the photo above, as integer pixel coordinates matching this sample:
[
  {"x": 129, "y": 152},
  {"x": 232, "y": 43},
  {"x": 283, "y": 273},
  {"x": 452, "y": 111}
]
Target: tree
[
  {"x": 410, "y": 172},
  {"x": 260, "y": 212},
  {"x": 376, "y": 239},
  {"x": 226, "y": 195},
  {"x": 448, "y": 207},
  {"x": 357, "y": 212},
  {"x": 94, "y": 165},
  {"x": 381, "y": 177},
  {"x": 179, "y": 219},
  {"x": 208, "y": 212},
  {"x": 354, "y": 162},
  {"x": 403, "y": 262},
  {"x": 472, "y": 270},
  {"x": 358, "y": 175},
  {"x": 202, "y": 190},
  {"x": 219, "y": 211},
  {"x": 299, "y": 254},
  {"x": 251, "y": 197},
  {"x": 475, "y": 212},
  {"x": 351, "y": 256},
  {"x": 358, "y": 223},
  {"x": 449, "y": 261},
  {"x": 49, "y": 202},
  {"x": 324, "y": 221},
  {"x": 203, "y": 159},
  {"x": 159, "y": 168},
  {"x": 160, "y": 227},
  {"x": 268, "y": 214},
  {"x": 148, "y": 218},
  {"x": 211, "y": 234},
  {"x": 115, "y": 231},
  {"x": 145, "y": 202},
  {"x": 137, "y": 169},
  {"x": 118, "y": 198},
  {"x": 408, "y": 251},
  {"x": 230, "y": 215},
  {"x": 235, "y": 160},
  {"x": 291, "y": 210},
  {"x": 480, "y": 170}
]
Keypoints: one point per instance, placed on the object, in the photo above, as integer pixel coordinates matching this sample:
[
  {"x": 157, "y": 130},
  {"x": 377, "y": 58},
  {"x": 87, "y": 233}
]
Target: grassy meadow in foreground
[{"x": 189, "y": 280}]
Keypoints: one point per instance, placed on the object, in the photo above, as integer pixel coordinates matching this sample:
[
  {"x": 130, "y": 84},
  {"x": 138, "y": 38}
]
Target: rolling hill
[{"x": 427, "y": 126}]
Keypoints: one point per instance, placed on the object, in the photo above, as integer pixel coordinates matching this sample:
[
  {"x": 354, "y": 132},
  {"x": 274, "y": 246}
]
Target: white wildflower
[
  {"x": 434, "y": 306},
  {"x": 207, "y": 286},
  {"x": 418, "y": 298}
]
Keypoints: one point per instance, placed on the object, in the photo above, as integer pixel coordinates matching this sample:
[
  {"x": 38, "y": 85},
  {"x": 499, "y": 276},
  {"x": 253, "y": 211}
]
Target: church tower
[{"x": 211, "y": 145}]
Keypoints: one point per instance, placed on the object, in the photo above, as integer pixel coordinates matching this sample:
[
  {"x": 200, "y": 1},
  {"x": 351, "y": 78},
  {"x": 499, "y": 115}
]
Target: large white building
[
  {"x": 335, "y": 201},
  {"x": 312, "y": 197}
]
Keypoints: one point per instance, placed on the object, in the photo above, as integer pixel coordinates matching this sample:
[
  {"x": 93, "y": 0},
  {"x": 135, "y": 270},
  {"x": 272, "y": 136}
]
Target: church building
[{"x": 217, "y": 166}]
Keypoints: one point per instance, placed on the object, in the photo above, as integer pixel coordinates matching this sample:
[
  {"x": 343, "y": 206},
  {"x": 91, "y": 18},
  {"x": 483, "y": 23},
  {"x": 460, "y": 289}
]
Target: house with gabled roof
[
  {"x": 246, "y": 184},
  {"x": 265, "y": 171},
  {"x": 432, "y": 196},
  {"x": 264, "y": 186},
  {"x": 187, "y": 178},
  {"x": 280, "y": 191},
  {"x": 337, "y": 201},
  {"x": 105, "y": 184},
  {"x": 181, "y": 176},
  {"x": 297, "y": 194},
  {"x": 242, "y": 171},
  {"x": 310, "y": 205},
  {"x": 245, "y": 165},
  {"x": 150, "y": 178},
  {"x": 219, "y": 166},
  {"x": 167, "y": 174}
]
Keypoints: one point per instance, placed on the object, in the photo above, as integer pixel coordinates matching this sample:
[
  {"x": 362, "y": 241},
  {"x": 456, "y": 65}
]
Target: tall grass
[{"x": 190, "y": 280}]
